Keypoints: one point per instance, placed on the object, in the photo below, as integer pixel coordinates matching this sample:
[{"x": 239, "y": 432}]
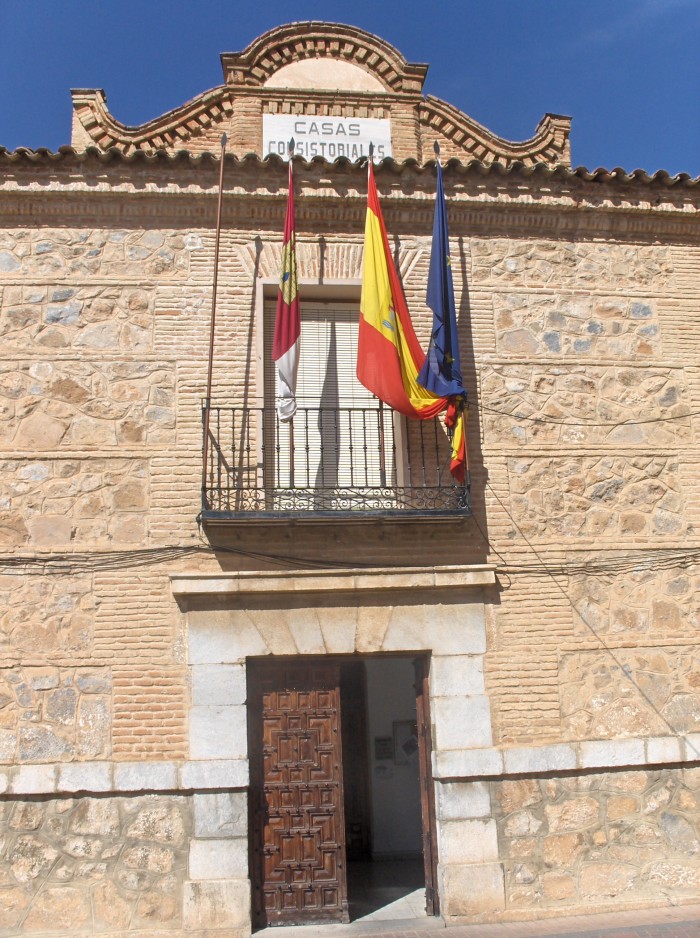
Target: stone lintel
[{"x": 336, "y": 581}]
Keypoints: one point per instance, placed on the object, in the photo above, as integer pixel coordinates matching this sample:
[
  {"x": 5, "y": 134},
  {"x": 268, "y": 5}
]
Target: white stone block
[
  {"x": 4, "y": 780},
  {"x": 468, "y": 841},
  {"x": 218, "y": 733},
  {"x": 33, "y": 779},
  {"x": 212, "y": 644},
  {"x": 444, "y": 629},
  {"x": 540, "y": 759},
  {"x": 471, "y": 890},
  {"x": 221, "y": 814},
  {"x": 458, "y": 800},
  {"x": 305, "y": 629},
  {"x": 461, "y": 722},
  {"x": 145, "y": 776},
  {"x": 456, "y": 675},
  {"x": 371, "y": 627},
  {"x": 218, "y": 859},
  {"x": 223, "y": 904},
  {"x": 273, "y": 627},
  {"x": 221, "y": 773},
  {"x": 468, "y": 763},
  {"x": 85, "y": 776},
  {"x": 691, "y": 744},
  {"x": 338, "y": 626},
  {"x": 608, "y": 752},
  {"x": 218, "y": 685},
  {"x": 663, "y": 749}
]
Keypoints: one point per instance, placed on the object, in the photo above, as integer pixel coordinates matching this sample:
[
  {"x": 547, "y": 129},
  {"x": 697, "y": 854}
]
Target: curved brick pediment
[
  {"x": 315, "y": 40},
  {"x": 316, "y": 70}
]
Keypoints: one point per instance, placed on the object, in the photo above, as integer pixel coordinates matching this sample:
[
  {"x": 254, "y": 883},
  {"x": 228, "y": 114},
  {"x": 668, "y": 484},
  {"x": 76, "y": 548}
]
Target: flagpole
[
  {"x": 212, "y": 323},
  {"x": 290, "y": 152}
]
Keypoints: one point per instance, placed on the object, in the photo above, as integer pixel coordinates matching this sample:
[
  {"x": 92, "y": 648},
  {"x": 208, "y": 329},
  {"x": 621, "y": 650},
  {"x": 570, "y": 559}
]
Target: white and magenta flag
[{"x": 285, "y": 345}]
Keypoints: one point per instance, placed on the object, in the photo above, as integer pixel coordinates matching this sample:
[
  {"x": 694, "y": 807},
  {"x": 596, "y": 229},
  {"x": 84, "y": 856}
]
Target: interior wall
[{"x": 395, "y": 788}]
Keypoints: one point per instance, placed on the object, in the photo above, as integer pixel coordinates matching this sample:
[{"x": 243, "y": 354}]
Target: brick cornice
[
  {"x": 551, "y": 202},
  {"x": 265, "y": 213}
]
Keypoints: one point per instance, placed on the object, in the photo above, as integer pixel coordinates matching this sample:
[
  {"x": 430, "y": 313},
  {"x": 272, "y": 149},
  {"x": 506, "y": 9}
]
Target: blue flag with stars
[{"x": 442, "y": 373}]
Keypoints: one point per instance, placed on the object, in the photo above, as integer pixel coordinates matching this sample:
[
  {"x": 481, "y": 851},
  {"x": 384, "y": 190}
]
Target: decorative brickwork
[{"x": 252, "y": 80}]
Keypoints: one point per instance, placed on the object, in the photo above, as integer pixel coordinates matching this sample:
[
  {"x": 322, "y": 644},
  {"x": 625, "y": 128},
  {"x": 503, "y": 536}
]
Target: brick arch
[{"x": 298, "y": 41}]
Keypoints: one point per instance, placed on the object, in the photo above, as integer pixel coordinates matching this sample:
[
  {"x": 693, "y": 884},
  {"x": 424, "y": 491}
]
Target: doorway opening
[
  {"x": 382, "y": 822},
  {"x": 342, "y": 822}
]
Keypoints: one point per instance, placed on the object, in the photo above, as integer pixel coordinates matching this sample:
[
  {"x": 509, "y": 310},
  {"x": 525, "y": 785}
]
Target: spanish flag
[{"x": 389, "y": 356}]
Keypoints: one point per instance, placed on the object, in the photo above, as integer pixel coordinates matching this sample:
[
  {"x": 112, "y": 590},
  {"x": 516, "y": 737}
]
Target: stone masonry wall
[
  {"x": 148, "y": 864},
  {"x": 55, "y": 714},
  {"x": 582, "y": 379},
  {"x": 89, "y": 865},
  {"x": 566, "y": 341},
  {"x": 591, "y": 841},
  {"x": 88, "y": 400}
]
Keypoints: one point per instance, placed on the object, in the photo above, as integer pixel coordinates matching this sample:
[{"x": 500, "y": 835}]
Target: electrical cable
[
  {"x": 623, "y": 668},
  {"x": 109, "y": 561},
  {"x": 113, "y": 560}
]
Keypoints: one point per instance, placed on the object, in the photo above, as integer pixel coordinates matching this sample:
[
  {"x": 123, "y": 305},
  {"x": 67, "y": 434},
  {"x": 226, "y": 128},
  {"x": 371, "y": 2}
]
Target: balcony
[{"x": 350, "y": 462}]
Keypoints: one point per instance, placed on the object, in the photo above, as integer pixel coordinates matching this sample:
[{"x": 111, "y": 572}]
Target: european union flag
[{"x": 441, "y": 373}]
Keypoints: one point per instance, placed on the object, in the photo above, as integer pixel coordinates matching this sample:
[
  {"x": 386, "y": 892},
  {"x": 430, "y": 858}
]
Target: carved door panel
[{"x": 297, "y": 823}]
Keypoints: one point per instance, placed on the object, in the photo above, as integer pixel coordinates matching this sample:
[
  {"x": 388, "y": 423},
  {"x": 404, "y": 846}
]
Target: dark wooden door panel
[
  {"x": 432, "y": 899},
  {"x": 297, "y": 818},
  {"x": 358, "y": 806}
]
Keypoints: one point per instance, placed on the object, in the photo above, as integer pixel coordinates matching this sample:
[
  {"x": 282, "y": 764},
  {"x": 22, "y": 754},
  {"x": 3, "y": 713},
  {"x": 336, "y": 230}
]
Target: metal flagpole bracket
[
  {"x": 371, "y": 152},
  {"x": 290, "y": 148},
  {"x": 436, "y": 148}
]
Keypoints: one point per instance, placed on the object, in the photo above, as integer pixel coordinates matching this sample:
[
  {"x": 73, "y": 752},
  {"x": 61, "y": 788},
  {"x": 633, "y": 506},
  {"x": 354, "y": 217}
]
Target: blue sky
[{"x": 627, "y": 71}]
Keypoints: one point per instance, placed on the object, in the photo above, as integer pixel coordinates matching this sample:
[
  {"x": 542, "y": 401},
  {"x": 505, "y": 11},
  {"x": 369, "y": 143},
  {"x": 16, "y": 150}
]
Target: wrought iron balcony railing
[{"x": 327, "y": 461}]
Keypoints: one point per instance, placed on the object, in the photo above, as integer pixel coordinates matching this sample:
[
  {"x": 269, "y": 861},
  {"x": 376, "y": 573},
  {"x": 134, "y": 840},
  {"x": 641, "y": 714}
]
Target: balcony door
[{"x": 341, "y": 441}]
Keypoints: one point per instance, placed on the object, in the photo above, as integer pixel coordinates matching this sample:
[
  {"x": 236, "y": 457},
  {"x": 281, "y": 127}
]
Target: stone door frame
[{"x": 436, "y": 611}]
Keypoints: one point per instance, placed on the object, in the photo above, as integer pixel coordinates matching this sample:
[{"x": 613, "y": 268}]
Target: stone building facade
[{"x": 557, "y": 617}]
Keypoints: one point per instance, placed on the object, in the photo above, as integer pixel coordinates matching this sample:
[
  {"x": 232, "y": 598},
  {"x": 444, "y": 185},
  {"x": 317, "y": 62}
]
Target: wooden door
[
  {"x": 427, "y": 791},
  {"x": 297, "y": 822}
]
